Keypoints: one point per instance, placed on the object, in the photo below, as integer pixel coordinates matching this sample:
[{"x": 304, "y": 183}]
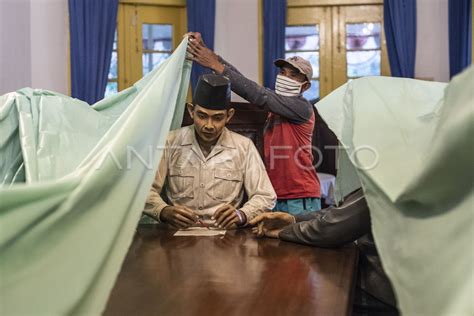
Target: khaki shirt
[{"x": 206, "y": 183}]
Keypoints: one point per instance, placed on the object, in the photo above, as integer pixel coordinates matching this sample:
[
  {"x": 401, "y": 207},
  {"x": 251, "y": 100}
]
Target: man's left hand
[{"x": 226, "y": 217}]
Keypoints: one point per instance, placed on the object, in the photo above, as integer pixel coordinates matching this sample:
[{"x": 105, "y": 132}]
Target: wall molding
[
  {"x": 173, "y": 3},
  {"x": 313, "y": 3}
]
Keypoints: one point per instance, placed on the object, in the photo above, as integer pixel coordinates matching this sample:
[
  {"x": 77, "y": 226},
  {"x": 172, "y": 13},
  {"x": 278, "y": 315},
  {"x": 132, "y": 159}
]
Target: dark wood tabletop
[{"x": 235, "y": 274}]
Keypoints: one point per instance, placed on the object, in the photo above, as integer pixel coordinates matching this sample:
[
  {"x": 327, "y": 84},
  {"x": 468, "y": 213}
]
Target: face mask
[{"x": 287, "y": 87}]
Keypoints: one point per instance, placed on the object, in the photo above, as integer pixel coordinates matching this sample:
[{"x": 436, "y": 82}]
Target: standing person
[{"x": 288, "y": 130}]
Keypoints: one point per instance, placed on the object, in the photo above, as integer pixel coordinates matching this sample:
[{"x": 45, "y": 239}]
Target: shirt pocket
[
  {"x": 227, "y": 184},
  {"x": 181, "y": 182}
]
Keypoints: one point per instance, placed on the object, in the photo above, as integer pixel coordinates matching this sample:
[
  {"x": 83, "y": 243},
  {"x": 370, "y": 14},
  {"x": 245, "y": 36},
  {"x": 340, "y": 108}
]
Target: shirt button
[
  {"x": 228, "y": 175},
  {"x": 200, "y": 207},
  {"x": 202, "y": 185}
]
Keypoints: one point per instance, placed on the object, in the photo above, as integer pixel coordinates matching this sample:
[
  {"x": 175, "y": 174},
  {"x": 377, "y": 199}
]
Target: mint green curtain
[
  {"x": 73, "y": 183},
  {"x": 409, "y": 144}
]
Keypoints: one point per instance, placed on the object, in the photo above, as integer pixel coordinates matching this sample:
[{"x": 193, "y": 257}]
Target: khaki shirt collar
[{"x": 224, "y": 141}]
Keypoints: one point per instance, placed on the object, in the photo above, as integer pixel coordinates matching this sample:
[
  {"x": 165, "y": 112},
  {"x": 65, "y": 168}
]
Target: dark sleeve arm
[
  {"x": 228, "y": 65},
  {"x": 296, "y": 109},
  {"x": 332, "y": 227}
]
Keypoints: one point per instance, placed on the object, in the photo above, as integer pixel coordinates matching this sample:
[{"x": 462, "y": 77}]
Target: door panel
[
  {"x": 359, "y": 48},
  {"x": 351, "y": 42},
  {"x": 320, "y": 19},
  {"x": 148, "y": 35}
]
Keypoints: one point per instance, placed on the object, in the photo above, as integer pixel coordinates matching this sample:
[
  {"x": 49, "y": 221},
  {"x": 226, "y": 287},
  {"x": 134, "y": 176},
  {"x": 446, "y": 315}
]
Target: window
[
  {"x": 147, "y": 36},
  {"x": 342, "y": 42},
  {"x": 303, "y": 40},
  {"x": 112, "y": 81},
  {"x": 157, "y": 41},
  {"x": 363, "y": 51}
]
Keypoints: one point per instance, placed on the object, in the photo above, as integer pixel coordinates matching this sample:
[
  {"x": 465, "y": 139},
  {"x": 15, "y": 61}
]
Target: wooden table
[{"x": 232, "y": 275}]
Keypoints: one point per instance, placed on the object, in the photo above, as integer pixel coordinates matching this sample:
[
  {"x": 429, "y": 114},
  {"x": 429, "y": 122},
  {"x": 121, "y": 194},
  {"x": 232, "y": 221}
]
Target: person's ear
[
  {"x": 306, "y": 86},
  {"x": 230, "y": 113},
  {"x": 190, "y": 108}
]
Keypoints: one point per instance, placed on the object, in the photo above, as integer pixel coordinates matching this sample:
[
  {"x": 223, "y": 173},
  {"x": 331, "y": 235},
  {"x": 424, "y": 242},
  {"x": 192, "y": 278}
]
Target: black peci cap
[{"x": 212, "y": 92}]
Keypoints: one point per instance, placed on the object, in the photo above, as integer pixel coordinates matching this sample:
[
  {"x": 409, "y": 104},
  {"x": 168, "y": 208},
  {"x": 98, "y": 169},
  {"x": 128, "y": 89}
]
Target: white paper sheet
[{"x": 200, "y": 231}]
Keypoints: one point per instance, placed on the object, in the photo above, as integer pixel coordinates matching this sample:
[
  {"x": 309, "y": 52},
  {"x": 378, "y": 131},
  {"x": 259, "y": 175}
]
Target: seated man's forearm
[
  {"x": 258, "y": 205},
  {"x": 261, "y": 195},
  {"x": 154, "y": 205}
]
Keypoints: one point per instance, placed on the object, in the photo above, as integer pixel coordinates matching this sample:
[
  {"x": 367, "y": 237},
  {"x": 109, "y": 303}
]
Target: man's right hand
[{"x": 178, "y": 216}]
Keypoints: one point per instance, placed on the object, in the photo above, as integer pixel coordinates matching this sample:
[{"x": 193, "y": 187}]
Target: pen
[{"x": 203, "y": 224}]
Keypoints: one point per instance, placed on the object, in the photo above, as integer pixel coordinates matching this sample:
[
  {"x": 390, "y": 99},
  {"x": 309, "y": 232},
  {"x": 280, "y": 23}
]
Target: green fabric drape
[
  {"x": 73, "y": 183},
  {"x": 409, "y": 144}
]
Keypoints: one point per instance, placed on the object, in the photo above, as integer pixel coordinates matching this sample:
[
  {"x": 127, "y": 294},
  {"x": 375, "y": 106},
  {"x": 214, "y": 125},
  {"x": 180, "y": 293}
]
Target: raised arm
[{"x": 296, "y": 109}]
